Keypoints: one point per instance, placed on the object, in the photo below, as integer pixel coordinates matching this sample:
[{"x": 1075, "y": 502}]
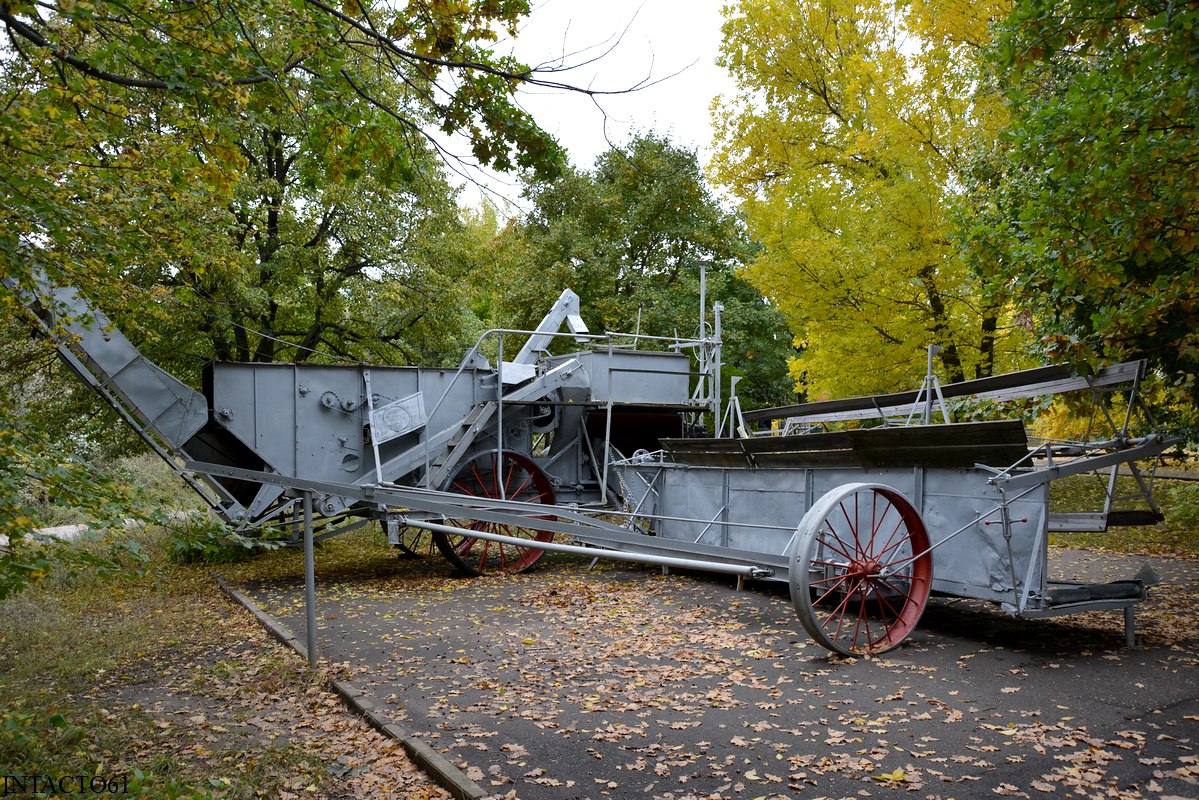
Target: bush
[
  {"x": 204, "y": 540},
  {"x": 36, "y": 475}
]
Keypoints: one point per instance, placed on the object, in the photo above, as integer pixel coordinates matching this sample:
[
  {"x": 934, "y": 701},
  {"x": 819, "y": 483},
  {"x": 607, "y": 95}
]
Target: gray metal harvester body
[{"x": 585, "y": 452}]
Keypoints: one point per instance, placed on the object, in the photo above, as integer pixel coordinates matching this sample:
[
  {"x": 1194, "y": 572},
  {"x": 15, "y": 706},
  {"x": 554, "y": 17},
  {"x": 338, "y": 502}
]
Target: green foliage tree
[
  {"x": 845, "y": 144},
  {"x": 322, "y": 254},
  {"x": 263, "y": 166},
  {"x": 34, "y": 473},
  {"x": 629, "y": 237},
  {"x": 122, "y": 122},
  {"x": 270, "y": 160},
  {"x": 1086, "y": 208}
]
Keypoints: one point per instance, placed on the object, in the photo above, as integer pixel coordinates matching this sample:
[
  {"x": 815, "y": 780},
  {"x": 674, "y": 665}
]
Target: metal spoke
[
  {"x": 507, "y": 475},
  {"x": 855, "y": 607}
]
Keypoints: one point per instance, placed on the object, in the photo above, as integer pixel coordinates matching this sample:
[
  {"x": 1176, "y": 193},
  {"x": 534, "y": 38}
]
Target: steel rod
[
  {"x": 1143, "y": 447},
  {"x": 309, "y": 583},
  {"x": 607, "y": 432},
  {"x": 596, "y": 552},
  {"x": 500, "y": 478},
  {"x": 419, "y": 497},
  {"x": 891, "y": 568}
]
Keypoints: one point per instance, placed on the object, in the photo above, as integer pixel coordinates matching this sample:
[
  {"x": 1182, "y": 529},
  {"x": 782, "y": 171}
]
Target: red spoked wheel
[
  {"x": 861, "y": 569},
  {"x": 513, "y": 476}
]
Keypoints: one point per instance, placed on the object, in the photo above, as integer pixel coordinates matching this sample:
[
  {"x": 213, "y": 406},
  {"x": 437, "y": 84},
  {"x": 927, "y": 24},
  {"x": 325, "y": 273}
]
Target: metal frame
[{"x": 352, "y": 439}]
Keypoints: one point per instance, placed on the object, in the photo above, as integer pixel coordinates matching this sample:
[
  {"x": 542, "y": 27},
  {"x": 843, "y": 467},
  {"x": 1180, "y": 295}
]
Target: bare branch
[{"x": 527, "y": 77}]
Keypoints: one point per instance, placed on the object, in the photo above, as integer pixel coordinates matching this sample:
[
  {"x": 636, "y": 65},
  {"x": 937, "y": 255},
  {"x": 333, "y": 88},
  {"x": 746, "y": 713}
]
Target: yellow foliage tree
[{"x": 845, "y": 143}]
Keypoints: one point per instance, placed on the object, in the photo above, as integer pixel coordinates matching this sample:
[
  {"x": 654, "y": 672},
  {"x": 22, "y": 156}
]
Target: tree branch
[
  {"x": 527, "y": 76},
  {"x": 30, "y": 34}
]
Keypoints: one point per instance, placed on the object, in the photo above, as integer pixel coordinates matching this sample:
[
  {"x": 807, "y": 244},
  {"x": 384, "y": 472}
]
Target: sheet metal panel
[
  {"x": 162, "y": 403},
  {"x": 311, "y": 420},
  {"x": 971, "y": 558},
  {"x": 635, "y": 377}
]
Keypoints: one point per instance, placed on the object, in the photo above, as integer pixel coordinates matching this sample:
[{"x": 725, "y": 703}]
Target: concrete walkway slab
[{"x": 568, "y": 683}]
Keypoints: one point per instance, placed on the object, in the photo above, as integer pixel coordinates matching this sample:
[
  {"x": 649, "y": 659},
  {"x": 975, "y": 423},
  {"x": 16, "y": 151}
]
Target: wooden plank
[
  {"x": 1001, "y": 432},
  {"x": 1134, "y": 516},
  {"x": 837, "y": 440},
  {"x": 943, "y": 457},
  {"x": 808, "y": 458},
  {"x": 1037, "y": 382},
  {"x": 708, "y": 452},
  {"x": 958, "y": 446},
  {"x": 701, "y": 459},
  {"x": 721, "y": 445}
]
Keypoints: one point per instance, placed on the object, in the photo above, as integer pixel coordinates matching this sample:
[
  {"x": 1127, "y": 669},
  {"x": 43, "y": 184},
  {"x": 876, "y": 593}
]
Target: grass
[
  {"x": 1176, "y": 536},
  {"x": 154, "y": 678},
  {"x": 68, "y": 648}
]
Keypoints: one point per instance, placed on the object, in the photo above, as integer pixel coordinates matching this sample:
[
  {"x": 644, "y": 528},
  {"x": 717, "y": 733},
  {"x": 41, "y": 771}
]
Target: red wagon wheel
[
  {"x": 861, "y": 569},
  {"x": 512, "y": 477}
]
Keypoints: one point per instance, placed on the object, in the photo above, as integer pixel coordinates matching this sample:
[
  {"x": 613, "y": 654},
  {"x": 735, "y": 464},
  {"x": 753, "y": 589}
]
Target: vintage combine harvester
[{"x": 595, "y": 452}]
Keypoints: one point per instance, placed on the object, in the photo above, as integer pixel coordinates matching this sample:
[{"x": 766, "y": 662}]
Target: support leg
[
  {"x": 1130, "y": 627},
  {"x": 309, "y": 582}
]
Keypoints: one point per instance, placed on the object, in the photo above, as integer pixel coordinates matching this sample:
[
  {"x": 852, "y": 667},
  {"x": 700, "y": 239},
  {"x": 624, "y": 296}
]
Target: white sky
[{"x": 630, "y": 42}]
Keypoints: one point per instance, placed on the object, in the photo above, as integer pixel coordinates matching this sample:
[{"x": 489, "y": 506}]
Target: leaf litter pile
[
  {"x": 620, "y": 682},
  {"x": 229, "y": 701}
]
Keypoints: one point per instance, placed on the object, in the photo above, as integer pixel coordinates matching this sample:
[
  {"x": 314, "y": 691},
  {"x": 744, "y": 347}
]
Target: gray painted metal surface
[
  {"x": 311, "y": 421},
  {"x": 162, "y": 404},
  {"x": 356, "y": 424},
  {"x": 385, "y": 441},
  {"x": 758, "y": 510}
]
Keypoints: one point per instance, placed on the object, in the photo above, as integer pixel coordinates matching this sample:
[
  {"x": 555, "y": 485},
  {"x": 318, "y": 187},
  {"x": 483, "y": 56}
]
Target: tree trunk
[{"x": 950, "y": 358}]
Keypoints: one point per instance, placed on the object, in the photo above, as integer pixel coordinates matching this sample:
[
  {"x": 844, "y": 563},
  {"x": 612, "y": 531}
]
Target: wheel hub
[{"x": 865, "y": 569}]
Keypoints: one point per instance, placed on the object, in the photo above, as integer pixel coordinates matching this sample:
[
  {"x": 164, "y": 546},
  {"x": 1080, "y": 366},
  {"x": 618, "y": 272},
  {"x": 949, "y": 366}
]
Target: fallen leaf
[{"x": 891, "y": 777}]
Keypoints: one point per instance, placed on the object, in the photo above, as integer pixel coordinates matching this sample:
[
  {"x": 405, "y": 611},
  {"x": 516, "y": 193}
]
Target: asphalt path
[{"x": 623, "y": 682}]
